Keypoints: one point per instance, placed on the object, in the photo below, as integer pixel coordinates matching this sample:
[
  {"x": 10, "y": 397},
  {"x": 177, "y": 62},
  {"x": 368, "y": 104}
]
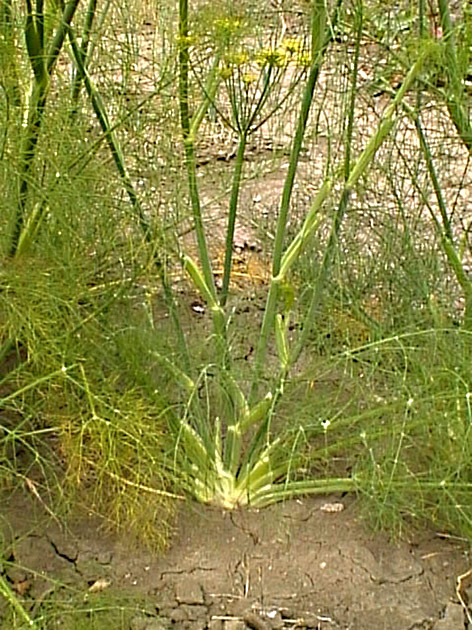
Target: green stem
[
  {"x": 110, "y": 136},
  {"x": 443, "y": 227},
  {"x": 189, "y": 146},
  {"x": 281, "y": 492},
  {"x": 209, "y": 89},
  {"x": 42, "y": 64},
  {"x": 342, "y": 206},
  {"x": 217, "y": 313},
  {"x": 37, "y": 103},
  {"x": 319, "y": 51},
  {"x": 352, "y": 178},
  {"x": 118, "y": 158},
  {"x": 62, "y": 30},
  {"x": 296, "y": 148},
  {"x": 38, "y": 381},
  {"x": 233, "y": 207},
  {"x": 84, "y": 47},
  {"x": 457, "y": 100}
]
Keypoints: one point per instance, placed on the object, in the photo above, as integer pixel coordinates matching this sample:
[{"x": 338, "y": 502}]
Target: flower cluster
[
  {"x": 290, "y": 51},
  {"x": 227, "y": 27}
]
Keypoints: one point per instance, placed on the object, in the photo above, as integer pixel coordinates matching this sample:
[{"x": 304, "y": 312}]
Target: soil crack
[
  {"x": 400, "y": 580},
  {"x": 251, "y": 534},
  {"x": 186, "y": 571},
  {"x": 63, "y": 555}
]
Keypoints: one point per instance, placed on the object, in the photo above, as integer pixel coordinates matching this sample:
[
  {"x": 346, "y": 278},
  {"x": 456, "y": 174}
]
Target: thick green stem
[
  {"x": 233, "y": 207},
  {"x": 37, "y": 103},
  {"x": 84, "y": 46},
  {"x": 210, "y": 89},
  {"x": 456, "y": 98},
  {"x": 42, "y": 63},
  {"x": 62, "y": 30},
  {"x": 189, "y": 129},
  {"x": 342, "y": 206},
  {"x": 189, "y": 146},
  {"x": 319, "y": 51},
  {"x": 352, "y": 178},
  {"x": 217, "y": 313},
  {"x": 297, "y": 145}
]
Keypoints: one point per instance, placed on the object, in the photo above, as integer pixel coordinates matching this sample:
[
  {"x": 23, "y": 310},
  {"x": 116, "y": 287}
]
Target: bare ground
[{"x": 302, "y": 564}]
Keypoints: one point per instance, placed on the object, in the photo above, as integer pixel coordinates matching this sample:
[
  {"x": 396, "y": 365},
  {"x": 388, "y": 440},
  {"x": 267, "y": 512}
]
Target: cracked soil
[{"x": 302, "y": 564}]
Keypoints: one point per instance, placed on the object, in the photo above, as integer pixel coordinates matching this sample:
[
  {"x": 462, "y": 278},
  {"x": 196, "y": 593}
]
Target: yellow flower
[
  {"x": 304, "y": 60},
  {"x": 292, "y": 45},
  {"x": 227, "y": 26},
  {"x": 237, "y": 59},
  {"x": 272, "y": 57},
  {"x": 249, "y": 77},
  {"x": 186, "y": 41},
  {"x": 225, "y": 72}
]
